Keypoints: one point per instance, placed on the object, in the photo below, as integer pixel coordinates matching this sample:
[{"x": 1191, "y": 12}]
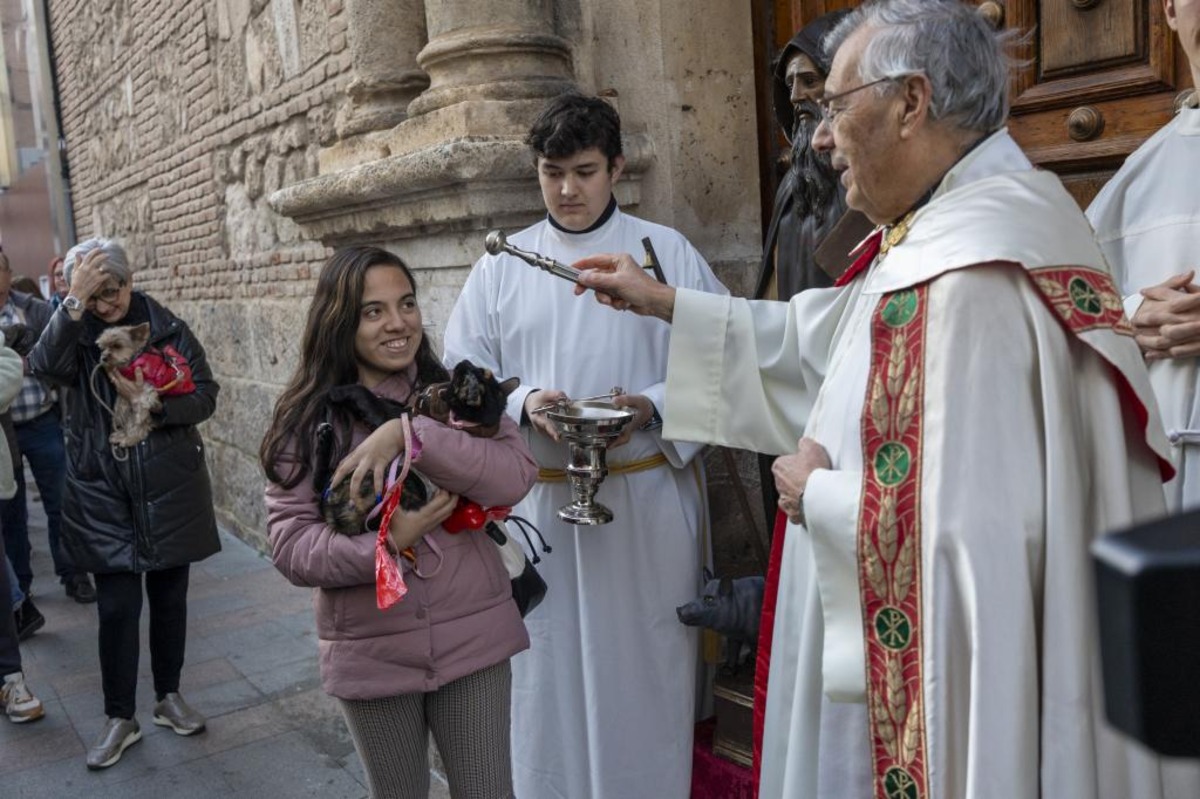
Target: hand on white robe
[
  {"x": 538, "y": 421},
  {"x": 1167, "y": 325},
  {"x": 642, "y": 406},
  {"x": 791, "y": 475}
]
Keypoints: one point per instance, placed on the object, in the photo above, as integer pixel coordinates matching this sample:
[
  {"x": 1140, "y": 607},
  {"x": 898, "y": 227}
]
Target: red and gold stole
[{"x": 889, "y": 544}]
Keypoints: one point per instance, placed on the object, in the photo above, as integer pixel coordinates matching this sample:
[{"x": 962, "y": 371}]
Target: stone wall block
[
  {"x": 238, "y": 485},
  {"x": 314, "y": 29},
  {"x": 277, "y": 331},
  {"x": 272, "y": 173},
  {"x": 292, "y": 136}
]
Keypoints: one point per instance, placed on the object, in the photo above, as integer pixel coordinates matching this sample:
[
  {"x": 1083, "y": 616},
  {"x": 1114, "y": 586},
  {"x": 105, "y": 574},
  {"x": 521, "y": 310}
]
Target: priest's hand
[
  {"x": 791, "y": 475},
  {"x": 620, "y": 283},
  {"x": 1167, "y": 325},
  {"x": 643, "y": 409},
  {"x": 538, "y": 421}
]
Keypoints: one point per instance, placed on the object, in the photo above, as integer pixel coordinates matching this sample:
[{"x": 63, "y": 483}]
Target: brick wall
[{"x": 181, "y": 117}]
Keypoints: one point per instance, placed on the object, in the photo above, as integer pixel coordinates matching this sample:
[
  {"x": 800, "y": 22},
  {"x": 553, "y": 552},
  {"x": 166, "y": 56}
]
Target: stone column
[
  {"x": 494, "y": 50},
  {"x": 385, "y": 37}
]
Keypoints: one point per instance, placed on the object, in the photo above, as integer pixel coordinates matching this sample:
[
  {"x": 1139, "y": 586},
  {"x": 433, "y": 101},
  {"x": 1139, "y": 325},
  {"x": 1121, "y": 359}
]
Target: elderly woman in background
[{"x": 146, "y": 510}]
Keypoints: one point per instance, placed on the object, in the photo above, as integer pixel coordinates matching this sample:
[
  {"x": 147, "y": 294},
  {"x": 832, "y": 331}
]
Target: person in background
[
  {"x": 27, "y": 285},
  {"x": 1147, "y": 221},
  {"x": 134, "y": 516},
  {"x": 26, "y": 617},
  {"x": 437, "y": 660},
  {"x": 20, "y": 705},
  {"x": 37, "y": 422},
  {"x": 58, "y": 282}
]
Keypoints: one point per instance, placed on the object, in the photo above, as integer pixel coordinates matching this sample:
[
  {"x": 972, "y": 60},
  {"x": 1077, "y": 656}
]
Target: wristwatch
[{"x": 72, "y": 303}]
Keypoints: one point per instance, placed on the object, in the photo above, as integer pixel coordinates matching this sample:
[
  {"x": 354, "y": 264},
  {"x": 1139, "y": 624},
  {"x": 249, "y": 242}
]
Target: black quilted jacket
[{"x": 153, "y": 509}]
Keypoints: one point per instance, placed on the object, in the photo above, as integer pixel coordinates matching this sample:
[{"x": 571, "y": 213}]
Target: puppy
[{"x": 131, "y": 418}]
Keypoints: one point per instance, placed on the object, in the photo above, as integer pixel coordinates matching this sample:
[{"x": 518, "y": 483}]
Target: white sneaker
[{"x": 19, "y": 703}]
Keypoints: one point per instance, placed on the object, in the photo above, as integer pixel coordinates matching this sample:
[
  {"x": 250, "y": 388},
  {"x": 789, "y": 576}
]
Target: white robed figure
[
  {"x": 974, "y": 413},
  {"x": 604, "y": 699},
  {"x": 1147, "y": 222}
]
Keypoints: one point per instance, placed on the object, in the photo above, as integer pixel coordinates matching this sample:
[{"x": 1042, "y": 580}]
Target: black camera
[{"x": 1148, "y": 595}]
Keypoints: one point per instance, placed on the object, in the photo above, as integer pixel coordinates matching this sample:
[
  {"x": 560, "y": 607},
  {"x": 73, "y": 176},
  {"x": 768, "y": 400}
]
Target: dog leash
[{"x": 119, "y": 453}]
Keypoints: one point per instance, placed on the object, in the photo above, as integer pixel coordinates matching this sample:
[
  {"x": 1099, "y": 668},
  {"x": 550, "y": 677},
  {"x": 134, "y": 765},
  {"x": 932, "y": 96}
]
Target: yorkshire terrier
[{"x": 131, "y": 421}]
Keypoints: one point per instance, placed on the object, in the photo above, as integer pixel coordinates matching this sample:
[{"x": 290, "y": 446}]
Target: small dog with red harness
[{"x": 125, "y": 350}]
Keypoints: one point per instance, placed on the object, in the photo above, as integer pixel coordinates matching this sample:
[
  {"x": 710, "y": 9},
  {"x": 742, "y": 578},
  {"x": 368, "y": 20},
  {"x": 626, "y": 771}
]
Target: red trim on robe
[
  {"x": 1086, "y": 299},
  {"x": 766, "y": 631},
  {"x": 867, "y": 249},
  {"x": 889, "y": 545}
]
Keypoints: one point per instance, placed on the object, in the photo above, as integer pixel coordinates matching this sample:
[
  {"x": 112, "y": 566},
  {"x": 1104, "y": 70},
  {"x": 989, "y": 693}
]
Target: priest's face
[
  {"x": 577, "y": 188},
  {"x": 389, "y": 325},
  {"x": 1184, "y": 18},
  {"x": 860, "y": 131}
]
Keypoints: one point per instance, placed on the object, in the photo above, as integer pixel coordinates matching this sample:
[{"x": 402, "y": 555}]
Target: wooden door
[{"x": 1101, "y": 76}]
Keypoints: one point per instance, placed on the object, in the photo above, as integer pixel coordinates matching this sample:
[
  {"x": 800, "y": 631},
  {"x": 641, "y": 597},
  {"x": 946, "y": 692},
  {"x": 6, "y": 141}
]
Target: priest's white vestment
[
  {"x": 987, "y": 415},
  {"x": 1147, "y": 221},
  {"x": 604, "y": 699}
]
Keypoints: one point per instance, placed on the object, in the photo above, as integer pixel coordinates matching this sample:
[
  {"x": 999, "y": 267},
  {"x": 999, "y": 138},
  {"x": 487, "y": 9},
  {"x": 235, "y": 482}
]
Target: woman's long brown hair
[{"x": 327, "y": 360}]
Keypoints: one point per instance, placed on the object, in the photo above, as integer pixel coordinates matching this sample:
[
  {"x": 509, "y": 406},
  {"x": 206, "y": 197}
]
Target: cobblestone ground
[{"x": 251, "y": 669}]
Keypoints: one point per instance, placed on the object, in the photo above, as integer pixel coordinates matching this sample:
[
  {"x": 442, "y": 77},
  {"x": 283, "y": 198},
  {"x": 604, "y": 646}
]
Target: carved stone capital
[{"x": 449, "y": 188}]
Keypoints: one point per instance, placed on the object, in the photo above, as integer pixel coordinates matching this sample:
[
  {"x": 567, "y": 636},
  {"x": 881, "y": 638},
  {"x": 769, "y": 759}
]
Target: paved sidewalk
[{"x": 251, "y": 668}]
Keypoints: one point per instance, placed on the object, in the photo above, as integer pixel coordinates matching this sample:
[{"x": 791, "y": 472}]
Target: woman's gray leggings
[{"x": 469, "y": 719}]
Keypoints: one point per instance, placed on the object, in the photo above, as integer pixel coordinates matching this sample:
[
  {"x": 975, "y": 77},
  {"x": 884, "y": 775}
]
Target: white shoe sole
[
  {"x": 129, "y": 741},
  {"x": 163, "y": 721},
  {"x": 21, "y": 719}
]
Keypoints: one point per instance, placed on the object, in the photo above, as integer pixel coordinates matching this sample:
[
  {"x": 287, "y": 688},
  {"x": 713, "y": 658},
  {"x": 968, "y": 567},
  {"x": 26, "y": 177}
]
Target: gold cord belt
[{"x": 644, "y": 464}]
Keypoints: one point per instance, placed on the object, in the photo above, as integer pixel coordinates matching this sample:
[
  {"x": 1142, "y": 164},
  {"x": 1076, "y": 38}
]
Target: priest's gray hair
[
  {"x": 967, "y": 62},
  {"x": 117, "y": 263}
]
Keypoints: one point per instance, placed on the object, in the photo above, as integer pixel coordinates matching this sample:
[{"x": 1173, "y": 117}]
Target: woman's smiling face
[{"x": 389, "y": 325}]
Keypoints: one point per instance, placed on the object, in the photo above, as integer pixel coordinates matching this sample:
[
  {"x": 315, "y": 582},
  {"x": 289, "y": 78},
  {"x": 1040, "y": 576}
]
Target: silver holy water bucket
[{"x": 587, "y": 427}]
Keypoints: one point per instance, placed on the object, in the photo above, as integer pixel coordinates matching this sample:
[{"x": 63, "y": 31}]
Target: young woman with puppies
[{"x": 438, "y": 659}]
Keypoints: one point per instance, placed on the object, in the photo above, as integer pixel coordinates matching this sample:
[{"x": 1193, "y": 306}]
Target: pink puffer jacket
[{"x": 459, "y": 619}]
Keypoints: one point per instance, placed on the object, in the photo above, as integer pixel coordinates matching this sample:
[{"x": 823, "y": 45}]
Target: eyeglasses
[
  {"x": 829, "y": 114},
  {"x": 107, "y": 296}
]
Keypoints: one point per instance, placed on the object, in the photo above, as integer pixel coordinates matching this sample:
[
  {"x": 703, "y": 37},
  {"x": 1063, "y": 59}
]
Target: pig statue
[{"x": 730, "y": 607}]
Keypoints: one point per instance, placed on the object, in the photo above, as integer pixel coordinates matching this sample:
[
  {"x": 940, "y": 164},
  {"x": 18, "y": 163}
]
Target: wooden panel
[
  {"x": 1126, "y": 124},
  {"x": 1113, "y": 64},
  {"x": 1092, "y": 76},
  {"x": 1079, "y": 34},
  {"x": 1084, "y": 187},
  {"x": 1100, "y": 76}
]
